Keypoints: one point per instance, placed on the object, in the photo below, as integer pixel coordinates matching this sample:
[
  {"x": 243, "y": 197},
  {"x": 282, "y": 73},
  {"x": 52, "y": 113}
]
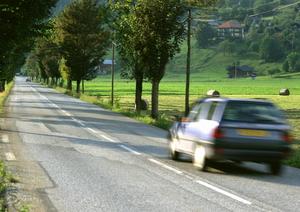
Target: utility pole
[
  {"x": 112, "y": 74},
  {"x": 188, "y": 63},
  {"x": 235, "y": 70}
]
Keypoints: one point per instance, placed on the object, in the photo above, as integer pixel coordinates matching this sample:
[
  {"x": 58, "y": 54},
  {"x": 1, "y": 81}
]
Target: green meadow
[{"x": 171, "y": 97}]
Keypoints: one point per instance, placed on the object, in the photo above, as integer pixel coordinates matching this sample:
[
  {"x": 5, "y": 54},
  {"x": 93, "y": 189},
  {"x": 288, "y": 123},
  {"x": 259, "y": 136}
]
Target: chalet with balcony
[{"x": 231, "y": 29}]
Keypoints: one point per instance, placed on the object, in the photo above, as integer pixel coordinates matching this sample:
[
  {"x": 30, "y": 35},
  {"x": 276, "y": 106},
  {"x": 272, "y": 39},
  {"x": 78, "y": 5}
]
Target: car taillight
[
  {"x": 287, "y": 137},
  {"x": 218, "y": 133}
]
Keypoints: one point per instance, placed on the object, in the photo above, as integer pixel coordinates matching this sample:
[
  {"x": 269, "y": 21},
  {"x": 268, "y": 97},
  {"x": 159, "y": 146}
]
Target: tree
[
  {"x": 204, "y": 35},
  {"x": 31, "y": 66},
  {"x": 65, "y": 72},
  {"x": 127, "y": 28},
  {"x": 82, "y": 34},
  {"x": 271, "y": 49},
  {"x": 48, "y": 56},
  {"x": 227, "y": 47},
  {"x": 20, "y": 23},
  {"x": 262, "y": 6},
  {"x": 293, "y": 60},
  {"x": 161, "y": 35},
  {"x": 285, "y": 66}
]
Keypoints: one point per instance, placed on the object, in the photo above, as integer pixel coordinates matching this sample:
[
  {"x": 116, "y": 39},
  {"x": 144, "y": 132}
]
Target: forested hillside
[{"x": 267, "y": 38}]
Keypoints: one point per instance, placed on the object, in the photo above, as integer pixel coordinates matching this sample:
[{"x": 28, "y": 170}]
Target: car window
[
  {"x": 203, "y": 112},
  {"x": 194, "y": 112},
  {"x": 211, "y": 110},
  {"x": 252, "y": 112}
]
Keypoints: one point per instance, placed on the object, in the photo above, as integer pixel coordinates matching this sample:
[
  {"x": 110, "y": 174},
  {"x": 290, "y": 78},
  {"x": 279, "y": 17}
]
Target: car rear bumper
[{"x": 248, "y": 155}]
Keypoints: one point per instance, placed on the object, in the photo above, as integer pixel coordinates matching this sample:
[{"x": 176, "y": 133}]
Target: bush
[
  {"x": 293, "y": 61},
  {"x": 273, "y": 71}
]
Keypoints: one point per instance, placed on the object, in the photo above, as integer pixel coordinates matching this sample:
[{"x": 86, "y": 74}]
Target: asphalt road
[{"x": 78, "y": 157}]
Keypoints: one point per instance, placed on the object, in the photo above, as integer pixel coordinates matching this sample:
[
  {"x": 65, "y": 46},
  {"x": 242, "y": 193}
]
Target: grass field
[{"x": 171, "y": 99}]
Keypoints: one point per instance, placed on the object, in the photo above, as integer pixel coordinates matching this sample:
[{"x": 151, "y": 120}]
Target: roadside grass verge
[
  {"x": 4, "y": 95},
  {"x": 5, "y": 178},
  {"x": 171, "y": 99}
]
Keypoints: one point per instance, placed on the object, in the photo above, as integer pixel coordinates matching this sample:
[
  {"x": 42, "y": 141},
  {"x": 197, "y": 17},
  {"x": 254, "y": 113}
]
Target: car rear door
[{"x": 199, "y": 128}]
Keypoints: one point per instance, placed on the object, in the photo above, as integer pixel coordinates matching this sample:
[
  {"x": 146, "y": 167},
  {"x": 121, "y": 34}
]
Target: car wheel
[
  {"x": 275, "y": 168},
  {"x": 199, "y": 159},
  {"x": 172, "y": 149}
]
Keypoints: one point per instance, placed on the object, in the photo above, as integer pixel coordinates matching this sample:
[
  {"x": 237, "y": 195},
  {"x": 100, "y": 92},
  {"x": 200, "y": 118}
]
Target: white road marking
[
  {"x": 233, "y": 196},
  {"x": 189, "y": 177},
  {"x": 165, "y": 166},
  {"x": 4, "y": 139},
  {"x": 107, "y": 138},
  {"x": 130, "y": 150},
  {"x": 10, "y": 156},
  {"x": 65, "y": 112},
  {"x": 92, "y": 130},
  {"x": 78, "y": 121}
]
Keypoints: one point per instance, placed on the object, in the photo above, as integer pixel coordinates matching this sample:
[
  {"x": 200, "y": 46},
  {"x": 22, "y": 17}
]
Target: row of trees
[
  {"x": 73, "y": 46},
  {"x": 147, "y": 34},
  {"x": 20, "y": 22}
]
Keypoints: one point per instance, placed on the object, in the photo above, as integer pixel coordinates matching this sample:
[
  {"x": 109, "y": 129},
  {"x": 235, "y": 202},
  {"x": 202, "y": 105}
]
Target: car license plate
[{"x": 253, "y": 133}]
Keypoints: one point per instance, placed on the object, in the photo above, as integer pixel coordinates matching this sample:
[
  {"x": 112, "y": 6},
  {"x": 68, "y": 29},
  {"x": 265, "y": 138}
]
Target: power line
[{"x": 275, "y": 9}]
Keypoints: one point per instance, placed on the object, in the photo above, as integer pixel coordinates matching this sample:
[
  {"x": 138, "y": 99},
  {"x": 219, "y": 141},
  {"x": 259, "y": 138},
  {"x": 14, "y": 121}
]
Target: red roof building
[{"x": 232, "y": 29}]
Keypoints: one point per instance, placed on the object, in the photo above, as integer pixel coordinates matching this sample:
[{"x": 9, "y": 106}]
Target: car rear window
[{"x": 253, "y": 112}]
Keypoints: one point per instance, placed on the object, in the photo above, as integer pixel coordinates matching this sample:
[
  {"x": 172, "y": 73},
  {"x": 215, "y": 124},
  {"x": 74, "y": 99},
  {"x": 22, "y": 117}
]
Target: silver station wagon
[{"x": 232, "y": 129}]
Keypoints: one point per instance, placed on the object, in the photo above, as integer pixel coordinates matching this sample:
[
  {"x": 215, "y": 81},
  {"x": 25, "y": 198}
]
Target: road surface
[{"x": 73, "y": 156}]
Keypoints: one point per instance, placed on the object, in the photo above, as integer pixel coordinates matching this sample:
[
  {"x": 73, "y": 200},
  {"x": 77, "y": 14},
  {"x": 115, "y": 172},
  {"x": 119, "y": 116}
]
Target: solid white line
[
  {"x": 130, "y": 150},
  {"x": 235, "y": 197},
  {"x": 10, "y": 156},
  {"x": 4, "y": 139},
  {"x": 107, "y": 138},
  {"x": 165, "y": 166}
]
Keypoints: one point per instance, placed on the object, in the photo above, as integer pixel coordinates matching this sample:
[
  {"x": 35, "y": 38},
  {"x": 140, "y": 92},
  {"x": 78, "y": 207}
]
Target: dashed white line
[
  {"x": 189, "y": 177},
  {"x": 233, "y": 196},
  {"x": 4, "y": 139},
  {"x": 130, "y": 150},
  {"x": 66, "y": 113},
  {"x": 92, "y": 130},
  {"x": 107, "y": 138},
  {"x": 165, "y": 166},
  {"x": 10, "y": 156}
]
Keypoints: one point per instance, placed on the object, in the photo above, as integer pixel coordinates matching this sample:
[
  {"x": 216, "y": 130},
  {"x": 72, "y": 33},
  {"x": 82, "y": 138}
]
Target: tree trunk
[
  {"x": 82, "y": 87},
  {"x": 78, "y": 86},
  {"x": 138, "y": 93},
  {"x": 69, "y": 85},
  {"x": 154, "y": 99},
  {"x": 4, "y": 83},
  {"x": 61, "y": 83}
]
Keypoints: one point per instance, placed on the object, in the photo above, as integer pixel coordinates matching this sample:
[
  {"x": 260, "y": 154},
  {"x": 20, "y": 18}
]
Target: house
[
  {"x": 240, "y": 71},
  {"x": 105, "y": 67},
  {"x": 230, "y": 29}
]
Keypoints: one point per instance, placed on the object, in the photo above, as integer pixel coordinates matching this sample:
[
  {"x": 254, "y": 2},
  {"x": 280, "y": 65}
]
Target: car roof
[{"x": 225, "y": 99}]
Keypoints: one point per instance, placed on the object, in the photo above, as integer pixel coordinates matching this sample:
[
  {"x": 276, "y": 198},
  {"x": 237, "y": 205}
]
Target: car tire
[
  {"x": 199, "y": 158},
  {"x": 275, "y": 168},
  {"x": 174, "y": 154}
]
